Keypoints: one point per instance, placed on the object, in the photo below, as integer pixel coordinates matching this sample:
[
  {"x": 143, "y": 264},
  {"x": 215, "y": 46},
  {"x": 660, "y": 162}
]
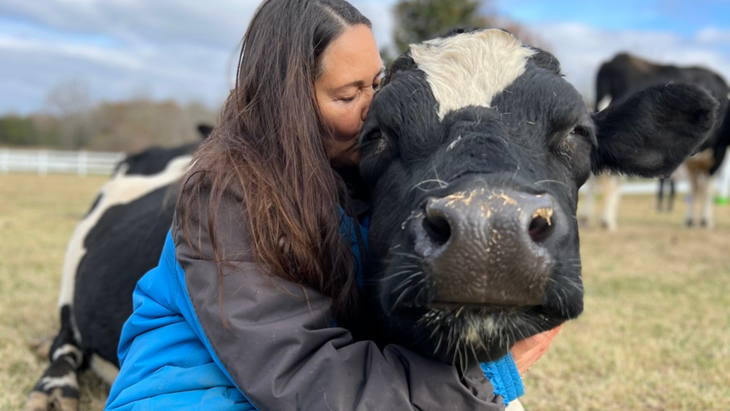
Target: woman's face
[{"x": 351, "y": 72}]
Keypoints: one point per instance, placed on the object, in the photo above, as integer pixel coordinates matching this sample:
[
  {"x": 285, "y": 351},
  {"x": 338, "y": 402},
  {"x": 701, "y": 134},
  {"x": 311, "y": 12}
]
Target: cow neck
[{"x": 357, "y": 192}]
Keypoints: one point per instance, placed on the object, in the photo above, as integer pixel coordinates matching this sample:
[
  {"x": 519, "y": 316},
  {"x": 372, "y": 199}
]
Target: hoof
[
  {"x": 610, "y": 227},
  {"x": 54, "y": 400},
  {"x": 58, "y": 388}
]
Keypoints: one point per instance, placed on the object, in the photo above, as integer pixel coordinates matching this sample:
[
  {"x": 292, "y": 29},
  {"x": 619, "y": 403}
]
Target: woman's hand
[{"x": 529, "y": 350}]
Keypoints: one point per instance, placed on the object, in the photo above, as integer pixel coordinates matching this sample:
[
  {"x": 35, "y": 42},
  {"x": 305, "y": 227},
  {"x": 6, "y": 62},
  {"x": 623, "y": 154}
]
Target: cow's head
[{"x": 475, "y": 148}]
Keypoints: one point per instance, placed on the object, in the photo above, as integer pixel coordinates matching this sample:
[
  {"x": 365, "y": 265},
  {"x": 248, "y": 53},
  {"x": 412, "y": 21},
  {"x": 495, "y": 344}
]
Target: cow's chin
[
  {"x": 459, "y": 334},
  {"x": 455, "y": 332}
]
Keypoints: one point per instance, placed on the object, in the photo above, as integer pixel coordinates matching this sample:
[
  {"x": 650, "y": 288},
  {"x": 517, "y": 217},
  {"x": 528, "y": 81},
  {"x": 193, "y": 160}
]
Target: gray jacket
[{"x": 281, "y": 350}]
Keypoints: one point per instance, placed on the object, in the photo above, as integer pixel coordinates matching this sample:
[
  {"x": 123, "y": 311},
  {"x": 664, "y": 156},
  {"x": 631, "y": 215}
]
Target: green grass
[{"x": 655, "y": 334}]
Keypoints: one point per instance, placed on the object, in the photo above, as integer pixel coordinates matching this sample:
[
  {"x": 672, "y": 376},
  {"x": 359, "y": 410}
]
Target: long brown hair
[{"x": 268, "y": 148}]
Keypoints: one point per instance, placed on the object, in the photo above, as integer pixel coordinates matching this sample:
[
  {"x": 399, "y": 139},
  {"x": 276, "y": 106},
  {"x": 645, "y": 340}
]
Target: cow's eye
[
  {"x": 372, "y": 135},
  {"x": 580, "y": 132}
]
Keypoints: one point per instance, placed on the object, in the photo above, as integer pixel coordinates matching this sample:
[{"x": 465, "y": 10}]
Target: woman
[{"x": 255, "y": 271}]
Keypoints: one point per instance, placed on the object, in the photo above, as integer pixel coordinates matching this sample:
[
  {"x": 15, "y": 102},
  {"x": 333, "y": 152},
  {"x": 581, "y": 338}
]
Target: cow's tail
[{"x": 58, "y": 388}]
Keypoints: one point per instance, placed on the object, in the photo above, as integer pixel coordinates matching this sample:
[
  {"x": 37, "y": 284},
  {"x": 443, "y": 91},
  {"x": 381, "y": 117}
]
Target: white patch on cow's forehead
[{"x": 469, "y": 69}]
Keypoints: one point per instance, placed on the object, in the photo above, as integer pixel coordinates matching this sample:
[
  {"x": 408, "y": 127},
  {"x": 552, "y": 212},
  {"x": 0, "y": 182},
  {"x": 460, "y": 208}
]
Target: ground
[{"x": 655, "y": 334}]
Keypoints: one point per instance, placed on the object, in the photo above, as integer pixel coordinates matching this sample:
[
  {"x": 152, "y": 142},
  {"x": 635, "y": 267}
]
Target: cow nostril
[
  {"x": 437, "y": 228},
  {"x": 541, "y": 225}
]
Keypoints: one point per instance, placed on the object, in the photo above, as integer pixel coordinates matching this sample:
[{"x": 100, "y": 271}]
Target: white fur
[
  {"x": 68, "y": 380},
  {"x": 515, "y": 405},
  {"x": 68, "y": 349},
  {"x": 453, "y": 143},
  {"x": 122, "y": 189},
  {"x": 605, "y": 101},
  {"x": 104, "y": 369},
  {"x": 470, "y": 68}
]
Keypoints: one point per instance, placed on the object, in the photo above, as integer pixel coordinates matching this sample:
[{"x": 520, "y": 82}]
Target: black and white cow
[
  {"x": 474, "y": 150},
  {"x": 119, "y": 240},
  {"x": 627, "y": 74}
]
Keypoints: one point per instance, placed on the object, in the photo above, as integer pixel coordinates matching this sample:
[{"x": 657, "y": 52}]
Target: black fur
[{"x": 625, "y": 75}]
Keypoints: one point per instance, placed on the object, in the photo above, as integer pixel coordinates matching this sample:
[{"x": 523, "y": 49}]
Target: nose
[
  {"x": 366, "y": 105},
  {"x": 489, "y": 246}
]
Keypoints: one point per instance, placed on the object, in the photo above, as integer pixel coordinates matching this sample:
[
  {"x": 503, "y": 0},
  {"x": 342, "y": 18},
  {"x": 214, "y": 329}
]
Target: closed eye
[
  {"x": 586, "y": 133},
  {"x": 372, "y": 135}
]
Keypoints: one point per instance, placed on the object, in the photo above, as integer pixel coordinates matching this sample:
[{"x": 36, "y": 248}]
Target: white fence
[
  {"x": 84, "y": 163},
  {"x": 645, "y": 186},
  {"x": 44, "y": 162}
]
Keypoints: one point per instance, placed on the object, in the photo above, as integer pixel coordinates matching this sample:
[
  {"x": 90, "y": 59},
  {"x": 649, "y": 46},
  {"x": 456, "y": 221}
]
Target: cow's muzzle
[{"x": 487, "y": 246}]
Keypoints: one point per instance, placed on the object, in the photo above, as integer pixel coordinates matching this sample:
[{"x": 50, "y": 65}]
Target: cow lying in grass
[{"x": 474, "y": 150}]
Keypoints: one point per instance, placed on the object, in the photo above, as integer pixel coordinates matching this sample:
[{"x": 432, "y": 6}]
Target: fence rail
[
  {"x": 43, "y": 162},
  {"x": 84, "y": 163}
]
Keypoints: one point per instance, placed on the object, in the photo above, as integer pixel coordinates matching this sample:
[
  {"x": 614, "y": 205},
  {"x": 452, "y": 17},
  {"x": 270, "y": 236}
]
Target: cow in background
[
  {"x": 115, "y": 244},
  {"x": 626, "y": 75}
]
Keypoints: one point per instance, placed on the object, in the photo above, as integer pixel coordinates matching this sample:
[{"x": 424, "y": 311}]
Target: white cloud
[
  {"x": 582, "y": 49},
  {"x": 713, "y": 35}
]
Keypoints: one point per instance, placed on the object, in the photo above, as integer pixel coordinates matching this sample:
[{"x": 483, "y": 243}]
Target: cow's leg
[
  {"x": 672, "y": 194},
  {"x": 694, "y": 192},
  {"x": 612, "y": 191},
  {"x": 707, "y": 200},
  {"x": 58, "y": 388},
  {"x": 660, "y": 195}
]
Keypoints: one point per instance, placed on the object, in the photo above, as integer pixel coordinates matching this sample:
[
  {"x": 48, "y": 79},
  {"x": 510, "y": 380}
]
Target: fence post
[
  {"x": 42, "y": 162},
  {"x": 82, "y": 164},
  {"x": 5, "y": 161}
]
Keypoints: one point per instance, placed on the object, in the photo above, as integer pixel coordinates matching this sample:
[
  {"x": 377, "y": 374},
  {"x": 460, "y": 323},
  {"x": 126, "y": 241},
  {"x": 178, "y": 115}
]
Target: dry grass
[
  {"x": 37, "y": 217},
  {"x": 655, "y": 334}
]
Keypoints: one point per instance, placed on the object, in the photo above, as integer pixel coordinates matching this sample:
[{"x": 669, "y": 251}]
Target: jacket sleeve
[{"x": 279, "y": 347}]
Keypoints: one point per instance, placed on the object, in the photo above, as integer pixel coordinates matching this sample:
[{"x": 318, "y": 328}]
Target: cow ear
[
  {"x": 204, "y": 130},
  {"x": 653, "y": 131}
]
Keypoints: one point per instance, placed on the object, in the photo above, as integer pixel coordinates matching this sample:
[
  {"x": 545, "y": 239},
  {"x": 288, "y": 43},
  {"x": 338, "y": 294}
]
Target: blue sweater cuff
[{"x": 505, "y": 378}]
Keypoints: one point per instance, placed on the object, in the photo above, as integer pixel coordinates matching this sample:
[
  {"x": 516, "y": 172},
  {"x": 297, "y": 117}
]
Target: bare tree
[{"x": 70, "y": 102}]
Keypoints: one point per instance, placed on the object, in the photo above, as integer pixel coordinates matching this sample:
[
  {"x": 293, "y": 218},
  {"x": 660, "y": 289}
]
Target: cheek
[{"x": 345, "y": 119}]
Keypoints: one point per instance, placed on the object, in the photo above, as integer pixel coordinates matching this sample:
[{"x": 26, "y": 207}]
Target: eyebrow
[{"x": 360, "y": 83}]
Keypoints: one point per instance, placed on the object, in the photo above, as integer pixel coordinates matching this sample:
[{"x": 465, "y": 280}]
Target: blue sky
[
  {"x": 186, "y": 49},
  {"x": 681, "y": 17}
]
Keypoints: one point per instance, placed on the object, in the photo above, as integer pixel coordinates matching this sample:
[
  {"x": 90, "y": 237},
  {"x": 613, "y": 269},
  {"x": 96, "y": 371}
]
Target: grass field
[{"x": 655, "y": 334}]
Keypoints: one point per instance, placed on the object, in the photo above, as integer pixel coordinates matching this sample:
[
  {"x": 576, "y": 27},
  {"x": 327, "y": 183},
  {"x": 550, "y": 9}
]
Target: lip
[{"x": 451, "y": 305}]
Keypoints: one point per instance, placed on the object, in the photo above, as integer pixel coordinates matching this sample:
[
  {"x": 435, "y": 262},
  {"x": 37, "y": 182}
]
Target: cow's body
[
  {"x": 625, "y": 75},
  {"x": 474, "y": 150},
  {"x": 117, "y": 242}
]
